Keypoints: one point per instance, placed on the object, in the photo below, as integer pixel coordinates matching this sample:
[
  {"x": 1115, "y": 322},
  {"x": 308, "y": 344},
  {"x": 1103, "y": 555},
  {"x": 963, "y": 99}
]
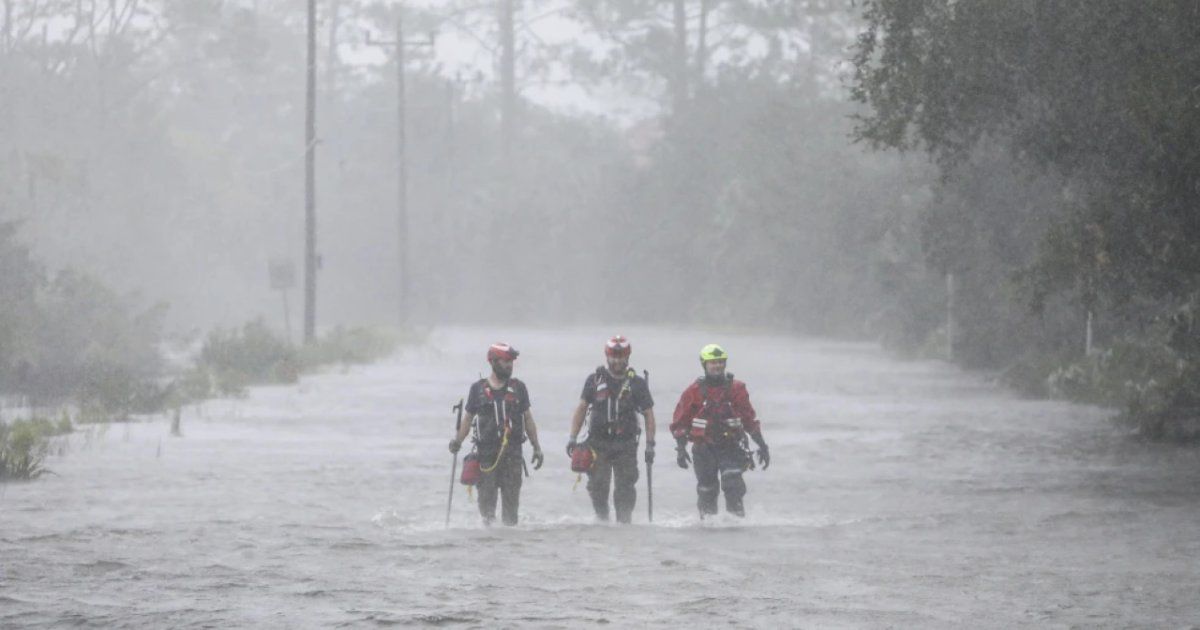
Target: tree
[{"x": 1099, "y": 96}]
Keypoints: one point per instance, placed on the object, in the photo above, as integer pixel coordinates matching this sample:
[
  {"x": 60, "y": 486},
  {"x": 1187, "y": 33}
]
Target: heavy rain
[{"x": 553, "y": 313}]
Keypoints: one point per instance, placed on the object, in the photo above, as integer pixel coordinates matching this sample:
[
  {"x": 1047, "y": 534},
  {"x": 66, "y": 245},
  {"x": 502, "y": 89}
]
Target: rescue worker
[
  {"x": 497, "y": 410},
  {"x": 615, "y": 394},
  {"x": 715, "y": 415}
]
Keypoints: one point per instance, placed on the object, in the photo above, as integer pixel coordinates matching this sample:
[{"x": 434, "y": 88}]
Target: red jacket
[{"x": 691, "y": 406}]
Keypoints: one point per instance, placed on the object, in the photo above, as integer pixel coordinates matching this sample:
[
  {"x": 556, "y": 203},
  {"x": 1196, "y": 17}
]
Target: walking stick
[
  {"x": 650, "y": 491},
  {"x": 454, "y": 468},
  {"x": 649, "y": 470}
]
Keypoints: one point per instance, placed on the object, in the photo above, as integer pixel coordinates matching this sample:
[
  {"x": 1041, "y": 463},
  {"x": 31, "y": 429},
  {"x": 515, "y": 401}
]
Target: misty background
[
  {"x": 913, "y": 224},
  {"x": 683, "y": 162},
  {"x": 159, "y": 145}
]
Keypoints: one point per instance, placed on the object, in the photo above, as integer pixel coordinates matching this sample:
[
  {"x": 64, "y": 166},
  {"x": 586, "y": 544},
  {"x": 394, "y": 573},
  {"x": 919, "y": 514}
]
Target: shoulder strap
[{"x": 627, "y": 383}]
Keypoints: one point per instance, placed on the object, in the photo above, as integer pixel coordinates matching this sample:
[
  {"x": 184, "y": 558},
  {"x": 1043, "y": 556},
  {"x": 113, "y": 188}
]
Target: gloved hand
[
  {"x": 537, "y": 458},
  {"x": 764, "y": 456},
  {"x": 650, "y": 453},
  {"x": 681, "y": 455},
  {"x": 571, "y": 446},
  {"x": 455, "y": 445},
  {"x": 764, "y": 453}
]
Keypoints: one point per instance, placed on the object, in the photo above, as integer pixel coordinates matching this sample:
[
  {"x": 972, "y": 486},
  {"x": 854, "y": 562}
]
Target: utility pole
[
  {"x": 950, "y": 323},
  {"x": 402, "y": 232},
  {"x": 310, "y": 169},
  {"x": 451, "y": 97},
  {"x": 1087, "y": 335},
  {"x": 505, "y": 212},
  {"x": 679, "y": 70},
  {"x": 508, "y": 78},
  {"x": 402, "y": 171}
]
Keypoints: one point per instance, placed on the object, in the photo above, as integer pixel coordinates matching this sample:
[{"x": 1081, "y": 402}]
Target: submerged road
[{"x": 900, "y": 495}]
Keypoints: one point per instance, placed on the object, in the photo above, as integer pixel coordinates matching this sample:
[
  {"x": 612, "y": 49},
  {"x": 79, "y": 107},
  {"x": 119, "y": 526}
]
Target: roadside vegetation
[
  {"x": 71, "y": 345},
  {"x": 24, "y": 445},
  {"x": 1012, "y": 186},
  {"x": 1064, "y": 225}
]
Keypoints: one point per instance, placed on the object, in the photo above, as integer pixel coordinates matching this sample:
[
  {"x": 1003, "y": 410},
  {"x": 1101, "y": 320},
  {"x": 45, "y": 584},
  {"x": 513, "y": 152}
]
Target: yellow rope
[{"x": 503, "y": 445}]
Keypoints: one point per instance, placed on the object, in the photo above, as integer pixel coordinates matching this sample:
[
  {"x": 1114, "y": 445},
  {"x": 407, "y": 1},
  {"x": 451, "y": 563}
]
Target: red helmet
[
  {"x": 617, "y": 347},
  {"x": 502, "y": 351}
]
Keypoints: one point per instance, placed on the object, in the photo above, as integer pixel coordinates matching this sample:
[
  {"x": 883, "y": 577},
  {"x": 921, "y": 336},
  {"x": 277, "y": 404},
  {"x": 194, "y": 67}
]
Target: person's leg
[
  {"x": 488, "y": 488},
  {"x": 704, "y": 462},
  {"x": 599, "y": 482},
  {"x": 732, "y": 463},
  {"x": 510, "y": 471},
  {"x": 625, "y": 477}
]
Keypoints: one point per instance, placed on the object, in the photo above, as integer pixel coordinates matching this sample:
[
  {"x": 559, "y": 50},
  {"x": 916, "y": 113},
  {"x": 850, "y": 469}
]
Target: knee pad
[{"x": 732, "y": 481}]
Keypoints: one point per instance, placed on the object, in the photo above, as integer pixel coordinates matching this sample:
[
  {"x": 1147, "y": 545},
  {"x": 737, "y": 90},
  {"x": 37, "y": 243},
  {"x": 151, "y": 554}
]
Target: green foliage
[
  {"x": 234, "y": 359},
  {"x": 92, "y": 345},
  {"x": 350, "y": 346},
  {"x": 1128, "y": 372},
  {"x": 1153, "y": 377},
  {"x": 1095, "y": 106},
  {"x": 70, "y": 337},
  {"x": 24, "y": 445},
  {"x": 19, "y": 282}
]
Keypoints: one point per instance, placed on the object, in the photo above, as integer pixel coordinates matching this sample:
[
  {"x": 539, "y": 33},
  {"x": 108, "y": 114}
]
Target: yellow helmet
[{"x": 713, "y": 352}]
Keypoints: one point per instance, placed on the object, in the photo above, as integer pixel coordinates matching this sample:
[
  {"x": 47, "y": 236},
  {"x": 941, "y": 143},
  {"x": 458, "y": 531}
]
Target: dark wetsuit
[
  {"x": 613, "y": 430},
  {"x": 497, "y": 411}
]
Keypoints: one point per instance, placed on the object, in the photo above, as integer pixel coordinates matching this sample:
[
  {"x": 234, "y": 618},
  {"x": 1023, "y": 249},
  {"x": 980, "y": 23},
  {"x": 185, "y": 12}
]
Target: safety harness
[
  {"x": 716, "y": 420},
  {"x": 719, "y": 423},
  {"x": 614, "y": 423},
  {"x": 503, "y": 422}
]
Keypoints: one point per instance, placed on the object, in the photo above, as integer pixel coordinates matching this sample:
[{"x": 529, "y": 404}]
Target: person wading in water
[
  {"x": 497, "y": 409},
  {"x": 715, "y": 414},
  {"x": 615, "y": 394}
]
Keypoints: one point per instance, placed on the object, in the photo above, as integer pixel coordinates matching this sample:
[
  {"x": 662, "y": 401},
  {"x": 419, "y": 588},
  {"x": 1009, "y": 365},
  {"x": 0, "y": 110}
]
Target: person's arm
[
  {"x": 682, "y": 420},
  {"x": 577, "y": 419},
  {"x": 680, "y": 426},
  {"x": 531, "y": 430},
  {"x": 576, "y": 425},
  {"x": 465, "y": 428},
  {"x": 742, "y": 407},
  {"x": 645, "y": 404},
  {"x": 648, "y": 416},
  {"x": 531, "y": 433}
]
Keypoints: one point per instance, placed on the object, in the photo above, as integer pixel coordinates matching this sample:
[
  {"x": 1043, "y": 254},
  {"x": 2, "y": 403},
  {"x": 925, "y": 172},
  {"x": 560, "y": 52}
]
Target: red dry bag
[
  {"x": 581, "y": 459},
  {"x": 471, "y": 471}
]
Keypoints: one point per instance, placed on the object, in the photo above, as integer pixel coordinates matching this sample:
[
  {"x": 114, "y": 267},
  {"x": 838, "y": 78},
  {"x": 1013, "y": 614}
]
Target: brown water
[{"x": 901, "y": 495}]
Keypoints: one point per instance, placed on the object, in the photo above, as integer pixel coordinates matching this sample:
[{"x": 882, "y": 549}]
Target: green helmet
[{"x": 713, "y": 352}]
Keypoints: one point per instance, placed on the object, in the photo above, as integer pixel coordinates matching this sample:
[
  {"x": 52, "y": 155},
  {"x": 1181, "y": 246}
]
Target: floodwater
[{"x": 901, "y": 495}]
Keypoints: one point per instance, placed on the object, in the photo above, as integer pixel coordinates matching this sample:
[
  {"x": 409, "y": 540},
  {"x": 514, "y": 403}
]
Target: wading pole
[
  {"x": 650, "y": 491},
  {"x": 454, "y": 468},
  {"x": 649, "y": 469}
]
